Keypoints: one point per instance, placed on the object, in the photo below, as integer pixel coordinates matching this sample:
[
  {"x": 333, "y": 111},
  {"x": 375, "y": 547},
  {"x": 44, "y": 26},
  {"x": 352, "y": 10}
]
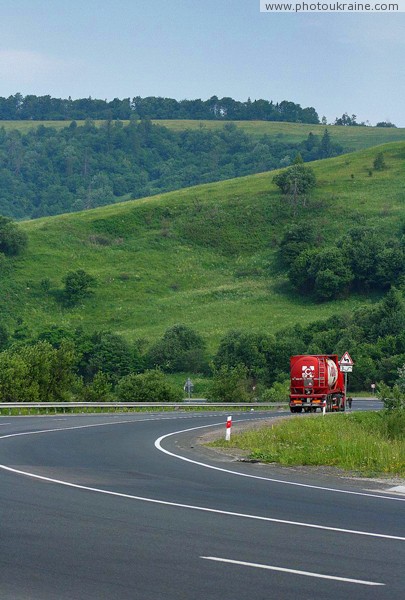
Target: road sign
[
  {"x": 346, "y": 360},
  {"x": 346, "y": 368},
  {"x": 188, "y": 387}
]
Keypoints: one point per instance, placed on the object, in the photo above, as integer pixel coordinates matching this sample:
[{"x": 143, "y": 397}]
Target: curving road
[{"x": 128, "y": 507}]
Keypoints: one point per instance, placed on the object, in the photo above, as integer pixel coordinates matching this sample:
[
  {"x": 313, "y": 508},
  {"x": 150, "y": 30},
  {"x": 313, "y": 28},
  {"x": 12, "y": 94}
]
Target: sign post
[
  {"x": 188, "y": 387},
  {"x": 346, "y": 366}
]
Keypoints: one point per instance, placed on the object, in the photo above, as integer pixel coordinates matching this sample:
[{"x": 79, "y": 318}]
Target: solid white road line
[
  {"x": 158, "y": 445},
  {"x": 108, "y": 423},
  {"x": 293, "y": 571},
  {"x": 176, "y": 504},
  {"x": 201, "y": 508}
]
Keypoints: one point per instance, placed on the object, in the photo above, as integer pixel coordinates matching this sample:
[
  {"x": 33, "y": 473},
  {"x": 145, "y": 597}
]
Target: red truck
[{"x": 316, "y": 382}]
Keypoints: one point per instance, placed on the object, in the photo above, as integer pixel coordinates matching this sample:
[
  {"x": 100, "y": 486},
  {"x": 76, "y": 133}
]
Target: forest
[
  {"x": 44, "y": 108},
  {"x": 46, "y": 172}
]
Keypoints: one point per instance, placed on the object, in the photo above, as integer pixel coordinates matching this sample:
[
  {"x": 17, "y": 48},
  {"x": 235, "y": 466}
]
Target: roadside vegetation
[
  {"x": 64, "y": 363},
  {"x": 367, "y": 443}
]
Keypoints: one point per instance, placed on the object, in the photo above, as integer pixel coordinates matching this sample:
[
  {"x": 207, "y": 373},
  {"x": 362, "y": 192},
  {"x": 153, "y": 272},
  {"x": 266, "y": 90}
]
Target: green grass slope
[
  {"x": 350, "y": 138},
  {"x": 203, "y": 256}
]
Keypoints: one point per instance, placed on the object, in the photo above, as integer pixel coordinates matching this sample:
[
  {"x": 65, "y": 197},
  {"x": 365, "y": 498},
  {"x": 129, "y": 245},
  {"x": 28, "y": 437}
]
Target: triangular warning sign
[{"x": 346, "y": 359}]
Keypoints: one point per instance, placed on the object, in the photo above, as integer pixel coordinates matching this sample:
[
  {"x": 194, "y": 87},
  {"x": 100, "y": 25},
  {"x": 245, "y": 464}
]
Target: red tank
[{"x": 316, "y": 381}]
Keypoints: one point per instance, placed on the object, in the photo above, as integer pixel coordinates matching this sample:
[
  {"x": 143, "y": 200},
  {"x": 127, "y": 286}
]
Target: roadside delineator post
[{"x": 228, "y": 429}]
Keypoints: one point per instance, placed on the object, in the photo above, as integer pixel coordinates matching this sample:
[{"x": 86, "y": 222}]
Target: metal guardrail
[
  {"x": 119, "y": 405},
  {"x": 66, "y": 406},
  {"x": 200, "y": 402}
]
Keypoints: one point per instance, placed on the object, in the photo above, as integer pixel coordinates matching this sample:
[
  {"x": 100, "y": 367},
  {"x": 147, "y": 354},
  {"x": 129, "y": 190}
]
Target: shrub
[
  {"x": 230, "y": 384},
  {"x": 180, "y": 349},
  {"x": 297, "y": 238},
  {"x": 110, "y": 353},
  {"x": 45, "y": 284},
  {"x": 393, "y": 398},
  {"x": 295, "y": 180},
  {"x": 244, "y": 348},
  {"x": 279, "y": 392},
  {"x": 4, "y": 337},
  {"x": 36, "y": 372},
  {"x": 379, "y": 162},
  {"x": 99, "y": 390},
  {"x": 12, "y": 240},
  {"x": 15, "y": 385},
  {"x": 151, "y": 386},
  {"x": 78, "y": 286}
]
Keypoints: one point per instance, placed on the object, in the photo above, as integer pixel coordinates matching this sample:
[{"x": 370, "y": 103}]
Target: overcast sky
[{"x": 180, "y": 49}]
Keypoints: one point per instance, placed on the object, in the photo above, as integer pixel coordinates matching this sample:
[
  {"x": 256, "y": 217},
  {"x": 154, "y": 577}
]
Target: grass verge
[{"x": 368, "y": 443}]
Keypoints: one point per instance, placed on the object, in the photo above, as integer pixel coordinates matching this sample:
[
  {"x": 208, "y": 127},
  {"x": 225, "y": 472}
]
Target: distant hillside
[
  {"x": 49, "y": 170},
  {"x": 203, "y": 256},
  {"x": 45, "y": 171},
  {"x": 350, "y": 138}
]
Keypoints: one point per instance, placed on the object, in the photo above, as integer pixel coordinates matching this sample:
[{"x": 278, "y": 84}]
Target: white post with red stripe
[{"x": 228, "y": 429}]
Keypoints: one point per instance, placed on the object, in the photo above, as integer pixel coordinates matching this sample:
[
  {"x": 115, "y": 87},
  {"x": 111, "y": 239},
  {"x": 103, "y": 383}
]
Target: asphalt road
[{"x": 92, "y": 507}]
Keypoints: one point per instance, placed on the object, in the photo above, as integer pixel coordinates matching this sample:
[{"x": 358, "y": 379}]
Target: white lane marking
[
  {"x": 2, "y": 424},
  {"x": 293, "y": 571},
  {"x": 37, "y": 432},
  {"x": 158, "y": 445},
  {"x": 174, "y": 504},
  {"x": 200, "y": 508}
]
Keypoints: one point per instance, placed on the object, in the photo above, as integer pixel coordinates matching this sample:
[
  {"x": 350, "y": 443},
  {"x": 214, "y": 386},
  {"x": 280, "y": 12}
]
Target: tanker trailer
[{"x": 316, "y": 381}]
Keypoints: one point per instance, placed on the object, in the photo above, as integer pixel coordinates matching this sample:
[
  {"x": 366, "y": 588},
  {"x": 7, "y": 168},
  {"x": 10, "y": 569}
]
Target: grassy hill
[
  {"x": 350, "y": 138},
  {"x": 204, "y": 256}
]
